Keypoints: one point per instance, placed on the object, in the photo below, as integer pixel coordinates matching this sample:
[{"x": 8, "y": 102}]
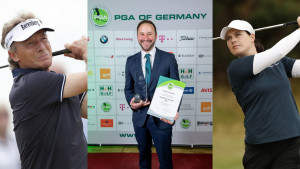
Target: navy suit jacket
[{"x": 164, "y": 64}]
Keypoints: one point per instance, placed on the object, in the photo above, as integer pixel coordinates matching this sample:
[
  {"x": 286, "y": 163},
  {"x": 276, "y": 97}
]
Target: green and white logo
[
  {"x": 185, "y": 123},
  {"x": 100, "y": 16},
  {"x": 170, "y": 86},
  {"x": 106, "y": 106},
  {"x": 106, "y": 90}
]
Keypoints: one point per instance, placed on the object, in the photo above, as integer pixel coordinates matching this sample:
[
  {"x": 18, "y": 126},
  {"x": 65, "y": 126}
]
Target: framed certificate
[{"x": 166, "y": 99}]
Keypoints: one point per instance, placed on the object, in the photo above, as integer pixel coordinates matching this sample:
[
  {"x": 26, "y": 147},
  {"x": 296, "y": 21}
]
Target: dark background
[{"x": 228, "y": 118}]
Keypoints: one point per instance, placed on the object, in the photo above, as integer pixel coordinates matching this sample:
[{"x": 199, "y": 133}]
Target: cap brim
[
  {"x": 224, "y": 31},
  {"x": 31, "y": 32},
  {"x": 227, "y": 28}
]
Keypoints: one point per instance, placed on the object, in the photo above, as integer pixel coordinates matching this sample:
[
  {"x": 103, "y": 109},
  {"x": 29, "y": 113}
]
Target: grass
[{"x": 229, "y": 131}]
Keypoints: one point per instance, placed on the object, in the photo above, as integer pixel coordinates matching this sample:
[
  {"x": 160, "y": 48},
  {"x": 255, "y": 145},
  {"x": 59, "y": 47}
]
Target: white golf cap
[
  {"x": 239, "y": 25},
  {"x": 23, "y": 31}
]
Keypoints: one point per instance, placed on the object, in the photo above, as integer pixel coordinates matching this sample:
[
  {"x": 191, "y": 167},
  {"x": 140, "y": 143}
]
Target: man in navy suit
[{"x": 147, "y": 127}]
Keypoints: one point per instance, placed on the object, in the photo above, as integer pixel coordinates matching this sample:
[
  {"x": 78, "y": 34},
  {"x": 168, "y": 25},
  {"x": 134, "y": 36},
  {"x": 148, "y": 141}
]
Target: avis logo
[
  {"x": 162, "y": 38},
  {"x": 204, "y": 90}
]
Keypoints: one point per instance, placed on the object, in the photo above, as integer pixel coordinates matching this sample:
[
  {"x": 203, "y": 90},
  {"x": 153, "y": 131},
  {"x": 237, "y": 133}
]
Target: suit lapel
[{"x": 157, "y": 61}]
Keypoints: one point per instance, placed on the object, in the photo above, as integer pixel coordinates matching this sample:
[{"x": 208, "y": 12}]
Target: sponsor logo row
[
  {"x": 120, "y": 107},
  {"x": 200, "y": 90},
  {"x": 165, "y": 38},
  {"x": 124, "y": 123},
  {"x": 187, "y": 73},
  {"x": 118, "y": 56}
]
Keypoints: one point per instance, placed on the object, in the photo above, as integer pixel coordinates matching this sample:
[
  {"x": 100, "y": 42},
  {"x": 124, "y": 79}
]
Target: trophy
[
  {"x": 143, "y": 90},
  {"x": 137, "y": 98}
]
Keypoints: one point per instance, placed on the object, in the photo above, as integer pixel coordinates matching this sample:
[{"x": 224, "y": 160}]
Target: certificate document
[{"x": 166, "y": 98}]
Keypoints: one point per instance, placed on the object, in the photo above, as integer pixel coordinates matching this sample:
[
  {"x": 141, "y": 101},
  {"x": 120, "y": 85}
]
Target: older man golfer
[{"x": 47, "y": 107}]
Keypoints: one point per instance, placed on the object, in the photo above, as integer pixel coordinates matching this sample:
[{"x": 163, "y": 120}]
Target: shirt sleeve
[
  {"x": 296, "y": 69},
  {"x": 288, "y": 64},
  {"x": 81, "y": 97},
  {"x": 277, "y": 52}
]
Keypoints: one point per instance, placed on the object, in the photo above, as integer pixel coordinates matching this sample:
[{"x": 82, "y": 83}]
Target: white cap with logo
[
  {"x": 239, "y": 25},
  {"x": 23, "y": 31}
]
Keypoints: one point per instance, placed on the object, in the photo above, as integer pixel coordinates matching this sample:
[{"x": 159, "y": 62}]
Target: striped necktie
[{"x": 147, "y": 69}]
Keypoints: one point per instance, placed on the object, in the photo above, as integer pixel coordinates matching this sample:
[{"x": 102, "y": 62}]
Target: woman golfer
[{"x": 259, "y": 80}]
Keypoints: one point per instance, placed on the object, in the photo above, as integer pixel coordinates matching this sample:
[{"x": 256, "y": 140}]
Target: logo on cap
[{"x": 31, "y": 23}]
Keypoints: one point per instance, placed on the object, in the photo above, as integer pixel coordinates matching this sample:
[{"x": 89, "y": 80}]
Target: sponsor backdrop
[{"x": 184, "y": 29}]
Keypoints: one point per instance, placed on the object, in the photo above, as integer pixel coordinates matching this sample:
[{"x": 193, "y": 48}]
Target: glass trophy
[
  {"x": 143, "y": 93},
  {"x": 137, "y": 98}
]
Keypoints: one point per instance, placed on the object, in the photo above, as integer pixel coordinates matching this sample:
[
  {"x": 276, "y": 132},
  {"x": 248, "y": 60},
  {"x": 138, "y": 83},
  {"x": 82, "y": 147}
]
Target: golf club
[
  {"x": 270, "y": 27},
  {"x": 60, "y": 52}
]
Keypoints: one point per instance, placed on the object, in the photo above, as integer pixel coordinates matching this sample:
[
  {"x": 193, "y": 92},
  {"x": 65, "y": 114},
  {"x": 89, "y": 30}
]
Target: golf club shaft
[
  {"x": 3, "y": 66},
  {"x": 60, "y": 52},
  {"x": 276, "y": 26},
  {"x": 270, "y": 27}
]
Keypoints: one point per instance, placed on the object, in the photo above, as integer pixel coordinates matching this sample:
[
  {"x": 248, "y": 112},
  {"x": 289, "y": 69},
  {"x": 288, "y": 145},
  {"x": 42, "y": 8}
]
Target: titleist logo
[{"x": 186, "y": 38}]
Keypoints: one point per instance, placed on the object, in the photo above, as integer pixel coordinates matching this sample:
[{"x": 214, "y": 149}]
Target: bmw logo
[{"x": 103, "y": 39}]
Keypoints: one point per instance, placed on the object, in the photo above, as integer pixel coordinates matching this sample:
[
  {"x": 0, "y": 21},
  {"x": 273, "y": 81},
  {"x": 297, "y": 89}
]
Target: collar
[
  {"x": 152, "y": 52},
  {"x": 18, "y": 71}
]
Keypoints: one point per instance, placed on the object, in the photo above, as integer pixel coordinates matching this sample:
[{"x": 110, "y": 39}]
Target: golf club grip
[
  {"x": 60, "y": 52},
  {"x": 291, "y": 23},
  {"x": 4, "y": 66}
]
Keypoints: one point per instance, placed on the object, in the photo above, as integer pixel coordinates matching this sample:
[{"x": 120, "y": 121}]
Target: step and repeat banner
[{"x": 185, "y": 29}]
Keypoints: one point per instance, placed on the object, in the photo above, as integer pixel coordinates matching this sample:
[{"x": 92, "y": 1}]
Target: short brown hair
[
  {"x": 8, "y": 26},
  {"x": 146, "y": 21}
]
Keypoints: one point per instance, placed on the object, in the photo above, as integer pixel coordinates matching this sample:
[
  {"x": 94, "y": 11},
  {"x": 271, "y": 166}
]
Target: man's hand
[
  {"x": 78, "y": 49},
  {"x": 139, "y": 105},
  {"x": 76, "y": 83},
  {"x": 168, "y": 121}
]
